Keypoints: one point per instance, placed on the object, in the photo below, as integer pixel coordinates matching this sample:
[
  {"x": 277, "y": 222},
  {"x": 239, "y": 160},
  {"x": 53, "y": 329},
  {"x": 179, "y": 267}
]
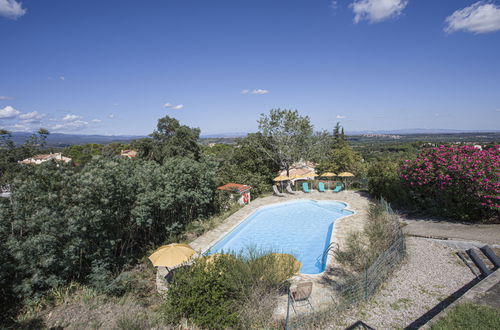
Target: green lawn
[{"x": 469, "y": 316}]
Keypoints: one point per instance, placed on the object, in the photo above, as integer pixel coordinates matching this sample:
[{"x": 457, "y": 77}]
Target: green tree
[
  {"x": 341, "y": 157},
  {"x": 246, "y": 164},
  {"x": 287, "y": 137},
  {"x": 82, "y": 154},
  {"x": 86, "y": 225},
  {"x": 171, "y": 139}
]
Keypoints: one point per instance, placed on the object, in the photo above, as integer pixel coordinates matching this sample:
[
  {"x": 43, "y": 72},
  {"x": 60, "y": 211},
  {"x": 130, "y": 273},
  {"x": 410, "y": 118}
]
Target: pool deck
[{"x": 322, "y": 289}]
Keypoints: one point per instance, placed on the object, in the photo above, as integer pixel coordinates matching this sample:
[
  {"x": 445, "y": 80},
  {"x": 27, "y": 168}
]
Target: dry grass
[{"x": 76, "y": 306}]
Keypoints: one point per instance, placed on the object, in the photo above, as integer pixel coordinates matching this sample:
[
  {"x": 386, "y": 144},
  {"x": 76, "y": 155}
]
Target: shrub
[
  {"x": 86, "y": 225},
  {"x": 363, "y": 248},
  {"x": 226, "y": 291},
  {"x": 384, "y": 182},
  {"x": 456, "y": 181}
]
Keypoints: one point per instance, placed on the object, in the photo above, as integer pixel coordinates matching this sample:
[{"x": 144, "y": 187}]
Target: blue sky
[{"x": 115, "y": 67}]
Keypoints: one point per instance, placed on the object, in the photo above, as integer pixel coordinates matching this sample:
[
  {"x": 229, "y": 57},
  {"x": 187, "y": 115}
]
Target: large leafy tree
[
  {"x": 339, "y": 156},
  {"x": 287, "y": 136},
  {"x": 246, "y": 164},
  {"x": 171, "y": 139}
]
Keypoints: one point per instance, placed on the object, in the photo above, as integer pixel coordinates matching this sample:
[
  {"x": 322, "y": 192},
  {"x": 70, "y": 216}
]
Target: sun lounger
[
  {"x": 277, "y": 192},
  {"x": 289, "y": 189},
  {"x": 337, "y": 188},
  {"x": 321, "y": 187},
  {"x": 305, "y": 187}
]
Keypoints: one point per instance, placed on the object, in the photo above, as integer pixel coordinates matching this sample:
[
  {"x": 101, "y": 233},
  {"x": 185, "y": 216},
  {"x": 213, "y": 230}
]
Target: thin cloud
[
  {"x": 4, "y": 98},
  {"x": 340, "y": 117},
  {"x": 70, "y": 126},
  {"x": 377, "y": 10},
  {"x": 31, "y": 117},
  {"x": 111, "y": 116},
  {"x": 96, "y": 120},
  {"x": 69, "y": 117},
  {"x": 9, "y": 112},
  {"x": 480, "y": 17},
  {"x": 11, "y": 9},
  {"x": 173, "y": 107},
  {"x": 255, "y": 91},
  {"x": 63, "y": 78}
]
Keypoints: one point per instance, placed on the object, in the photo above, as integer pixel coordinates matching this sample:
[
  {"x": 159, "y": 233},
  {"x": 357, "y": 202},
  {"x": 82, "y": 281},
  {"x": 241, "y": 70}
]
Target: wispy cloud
[
  {"x": 96, "y": 120},
  {"x": 9, "y": 112},
  {"x": 255, "y": 91},
  {"x": 377, "y": 10},
  {"x": 69, "y": 117},
  {"x": 11, "y": 9},
  {"x": 111, "y": 116},
  {"x": 173, "y": 107},
  {"x": 340, "y": 117},
  {"x": 3, "y": 98},
  {"x": 70, "y": 123},
  {"x": 70, "y": 126},
  {"x": 63, "y": 78},
  {"x": 31, "y": 117},
  {"x": 480, "y": 17}
]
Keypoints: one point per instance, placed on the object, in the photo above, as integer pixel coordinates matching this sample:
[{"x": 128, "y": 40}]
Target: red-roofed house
[
  {"x": 129, "y": 153},
  {"x": 241, "y": 189}
]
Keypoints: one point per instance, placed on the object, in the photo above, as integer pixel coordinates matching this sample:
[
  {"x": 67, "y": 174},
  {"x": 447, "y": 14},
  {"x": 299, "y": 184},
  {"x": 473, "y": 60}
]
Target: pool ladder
[{"x": 328, "y": 249}]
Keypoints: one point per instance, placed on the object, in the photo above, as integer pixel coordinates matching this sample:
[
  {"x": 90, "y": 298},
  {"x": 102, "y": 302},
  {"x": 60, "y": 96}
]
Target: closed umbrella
[{"x": 171, "y": 255}]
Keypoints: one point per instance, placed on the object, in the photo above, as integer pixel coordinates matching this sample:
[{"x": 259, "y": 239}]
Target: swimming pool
[{"x": 302, "y": 228}]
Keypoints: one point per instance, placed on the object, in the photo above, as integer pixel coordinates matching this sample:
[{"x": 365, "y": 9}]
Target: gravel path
[{"x": 430, "y": 273}]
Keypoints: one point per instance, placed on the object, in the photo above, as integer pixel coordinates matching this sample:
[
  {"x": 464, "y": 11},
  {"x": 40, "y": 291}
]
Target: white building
[{"x": 38, "y": 159}]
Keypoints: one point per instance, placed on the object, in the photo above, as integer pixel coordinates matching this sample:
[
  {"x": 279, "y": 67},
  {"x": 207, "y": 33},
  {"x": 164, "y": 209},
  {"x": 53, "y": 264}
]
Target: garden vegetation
[{"x": 91, "y": 221}]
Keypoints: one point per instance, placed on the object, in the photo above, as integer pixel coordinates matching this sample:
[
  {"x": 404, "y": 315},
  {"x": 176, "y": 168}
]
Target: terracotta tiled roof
[
  {"x": 235, "y": 187},
  {"x": 129, "y": 153}
]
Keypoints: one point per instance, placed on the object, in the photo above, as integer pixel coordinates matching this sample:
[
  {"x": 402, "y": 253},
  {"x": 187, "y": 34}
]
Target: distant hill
[
  {"x": 420, "y": 131},
  {"x": 223, "y": 135},
  {"x": 62, "y": 140}
]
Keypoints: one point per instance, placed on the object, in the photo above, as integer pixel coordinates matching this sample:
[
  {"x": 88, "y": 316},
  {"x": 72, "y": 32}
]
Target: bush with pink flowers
[{"x": 461, "y": 182}]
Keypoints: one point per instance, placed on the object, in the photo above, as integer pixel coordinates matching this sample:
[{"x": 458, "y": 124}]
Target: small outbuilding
[{"x": 241, "y": 191}]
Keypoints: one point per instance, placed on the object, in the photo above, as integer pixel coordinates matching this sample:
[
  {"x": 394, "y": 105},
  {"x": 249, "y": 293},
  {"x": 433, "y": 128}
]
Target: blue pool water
[{"x": 301, "y": 228}]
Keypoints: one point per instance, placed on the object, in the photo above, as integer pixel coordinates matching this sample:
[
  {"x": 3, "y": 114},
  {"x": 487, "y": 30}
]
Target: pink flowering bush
[{"x": 462, "y": 182}]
